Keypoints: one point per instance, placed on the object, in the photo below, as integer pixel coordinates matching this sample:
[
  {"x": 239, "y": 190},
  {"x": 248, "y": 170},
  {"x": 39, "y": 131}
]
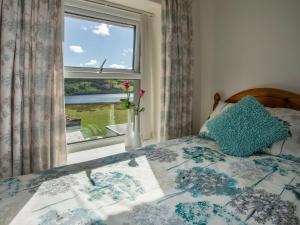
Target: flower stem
[
  {"x": 267, "y": 175},
  {"x": 173, "y": 167},
  {"x": 55, "y": 203},
  {"x": 171, "y": 196}
]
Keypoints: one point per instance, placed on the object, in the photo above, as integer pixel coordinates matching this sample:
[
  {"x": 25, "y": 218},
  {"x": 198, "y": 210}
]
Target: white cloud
[
  {"x": 91, "y": 62},
  {"x": 84, "y": 28},
  {"x": 126, "y": 51},
  {"x": 102, "y": 29},
  {"x": 76, "y": 48},
  {"x": 117, "y": 66}
]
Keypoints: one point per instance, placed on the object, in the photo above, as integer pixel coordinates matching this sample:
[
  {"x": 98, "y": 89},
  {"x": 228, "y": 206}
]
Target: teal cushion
[
  {"x": 246, "y": 128},
  {"x": 221, "y": 107}
]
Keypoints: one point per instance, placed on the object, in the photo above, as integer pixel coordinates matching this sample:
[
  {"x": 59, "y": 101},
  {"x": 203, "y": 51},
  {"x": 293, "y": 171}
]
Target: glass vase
[
  {"x": 137, "y": 143},
  {"x": 129, "y": 131}
]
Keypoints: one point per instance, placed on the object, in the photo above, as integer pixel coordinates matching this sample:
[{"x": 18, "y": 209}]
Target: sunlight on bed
[{"x": 110, "y": 190}]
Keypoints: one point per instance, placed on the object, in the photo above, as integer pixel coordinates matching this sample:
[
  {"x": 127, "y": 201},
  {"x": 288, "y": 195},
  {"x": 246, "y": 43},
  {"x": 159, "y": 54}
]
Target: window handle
[{"x": 101, "y": 67}]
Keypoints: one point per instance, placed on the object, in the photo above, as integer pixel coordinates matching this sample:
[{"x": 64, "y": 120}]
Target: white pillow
[{"x": 290, "y": 147}]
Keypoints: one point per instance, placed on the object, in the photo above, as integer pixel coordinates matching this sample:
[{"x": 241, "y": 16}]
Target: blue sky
[{"x": 88, "y": 43}]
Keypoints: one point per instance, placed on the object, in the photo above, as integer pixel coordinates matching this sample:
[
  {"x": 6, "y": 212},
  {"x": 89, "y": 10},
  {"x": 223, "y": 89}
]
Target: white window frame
[{"x": 103, "y": 13}]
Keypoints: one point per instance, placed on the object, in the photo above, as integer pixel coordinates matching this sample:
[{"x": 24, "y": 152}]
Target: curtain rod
[{"x": 122, "y": 7}]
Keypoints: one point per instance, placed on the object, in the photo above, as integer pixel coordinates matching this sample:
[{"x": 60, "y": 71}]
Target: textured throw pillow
[
  {"x": 221, "y": 107},
  {"x": 246, "y": 128},
  {"x": 291, "y": 118}
]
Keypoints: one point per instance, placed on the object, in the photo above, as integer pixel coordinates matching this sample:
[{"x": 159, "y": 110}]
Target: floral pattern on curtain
[
  {"x": 32, "y": 125},
  {"x": 176, "y": 119}
]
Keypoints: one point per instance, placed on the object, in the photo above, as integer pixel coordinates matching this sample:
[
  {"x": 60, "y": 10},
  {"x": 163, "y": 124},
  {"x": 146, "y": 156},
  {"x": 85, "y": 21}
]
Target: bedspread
[{"x": 181, "y": 181}]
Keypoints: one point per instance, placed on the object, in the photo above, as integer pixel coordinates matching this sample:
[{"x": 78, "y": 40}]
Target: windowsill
[
  {"x": 101, "y": 152},
  {"x": 94, "y": 144}
]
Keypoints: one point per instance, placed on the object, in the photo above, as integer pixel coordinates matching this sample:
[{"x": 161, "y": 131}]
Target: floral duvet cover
[{"x": 182, "y": 181}]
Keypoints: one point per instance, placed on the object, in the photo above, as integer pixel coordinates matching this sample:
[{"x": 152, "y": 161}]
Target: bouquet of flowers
[
  {"x": 126, "y": 101},
  {"x": 132, "y": 137}
]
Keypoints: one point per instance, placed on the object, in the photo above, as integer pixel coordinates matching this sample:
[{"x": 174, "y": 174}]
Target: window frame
[
  {"x": 100, "y": 13},
  {"x": 106, "y": 14}
]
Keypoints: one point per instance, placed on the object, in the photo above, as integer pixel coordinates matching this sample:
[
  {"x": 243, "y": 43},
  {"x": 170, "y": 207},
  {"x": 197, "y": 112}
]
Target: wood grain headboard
[{"x": 269, "y": 97}]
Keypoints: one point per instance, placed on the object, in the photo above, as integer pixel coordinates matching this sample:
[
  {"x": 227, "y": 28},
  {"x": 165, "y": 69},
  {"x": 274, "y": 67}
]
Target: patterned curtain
[
  {"x": 32, "y": 126},
  {"x": 176, "y": 107}
]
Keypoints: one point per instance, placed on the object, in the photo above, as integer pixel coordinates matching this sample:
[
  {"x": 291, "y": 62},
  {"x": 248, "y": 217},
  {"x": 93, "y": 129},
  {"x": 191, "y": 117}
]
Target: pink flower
[
  {"x": 141, "y": 92},
  {"x": 126, "y": 85}
]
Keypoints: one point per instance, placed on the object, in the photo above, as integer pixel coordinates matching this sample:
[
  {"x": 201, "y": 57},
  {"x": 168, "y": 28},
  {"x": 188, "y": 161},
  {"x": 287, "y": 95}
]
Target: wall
[{"x": 241, "y": 44}]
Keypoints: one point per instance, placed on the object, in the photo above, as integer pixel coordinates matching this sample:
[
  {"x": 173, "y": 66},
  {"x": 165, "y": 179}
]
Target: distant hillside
[{"x": 92, "y": 86}]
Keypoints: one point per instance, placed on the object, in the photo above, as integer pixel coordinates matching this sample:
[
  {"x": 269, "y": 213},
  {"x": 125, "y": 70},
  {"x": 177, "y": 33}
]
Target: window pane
[
  {"x": 93, "y": 109},
  {"x": 88, "y": 43}
]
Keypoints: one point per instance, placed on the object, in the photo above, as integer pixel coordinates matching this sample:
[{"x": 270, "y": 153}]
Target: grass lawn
[{"x": 94, "y": 117}]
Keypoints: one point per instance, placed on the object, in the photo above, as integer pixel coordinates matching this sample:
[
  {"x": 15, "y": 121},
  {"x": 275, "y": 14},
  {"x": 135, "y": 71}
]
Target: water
[{"x": 98, "y": 98}]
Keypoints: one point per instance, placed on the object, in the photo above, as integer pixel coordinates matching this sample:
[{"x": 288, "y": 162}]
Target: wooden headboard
[{"x": 269, "y": 97}]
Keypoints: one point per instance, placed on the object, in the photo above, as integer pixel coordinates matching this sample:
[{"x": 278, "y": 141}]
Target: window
[
  {"x": 93, "y": 109},
  {"x": 90, "y": 44},
  {"x": 101, "y": 50}
]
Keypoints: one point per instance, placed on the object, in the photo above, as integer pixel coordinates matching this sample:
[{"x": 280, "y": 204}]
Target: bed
[{"x": 182, "y": 181}]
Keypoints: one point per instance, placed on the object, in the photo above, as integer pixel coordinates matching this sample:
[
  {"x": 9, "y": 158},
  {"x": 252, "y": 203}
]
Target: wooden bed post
[{"x": 217, "y": 98}]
